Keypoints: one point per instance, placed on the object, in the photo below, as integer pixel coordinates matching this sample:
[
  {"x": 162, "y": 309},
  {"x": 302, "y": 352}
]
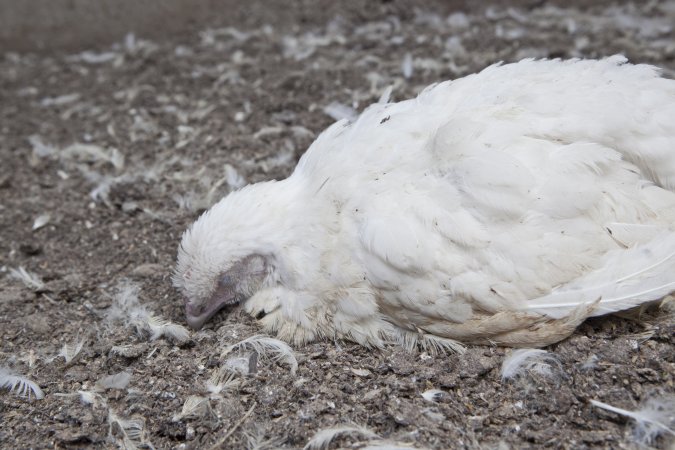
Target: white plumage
[{"x": 502, "y": 207}]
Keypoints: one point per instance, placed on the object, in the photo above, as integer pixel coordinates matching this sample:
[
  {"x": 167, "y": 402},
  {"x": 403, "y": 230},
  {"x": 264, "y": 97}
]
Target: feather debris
[
  {"x": 194, "y": 407},
  {"x": 30, "y": 358},
  {"x": 159, "y": 327},
  {"x": 40, "y": 149},
  {"x": 129, "y": 350},
  {"x": 340, "y": 111},
  {"x": 267, "y": 348},
  {"x": 222, "y": 380},
  {"x": 91, "y": 398},
  {"x": 239, "y": 365},
  {"x": 432, "y": 395},
  {"x": 19, "y": 385},
  {"x": 655, "y": 418},
  {"x": 590, "y": 363},
  {"x": 258, "y": 441},
  {"x": 529, "y": 360},
  {"x": 40, "y": 221},
  {"x": 94, "y": 153},
  {"x": 86, "y": 397},
  {"x": 127, "y": 433},
  {"x": 91, "y": 57},
  {"x": 407, "y": 66},
  {"x": 322, "y": 439},
  {"x": 128, "y": 309},
  {"x": 29, "y": 279},
  {"x": 60, "y": 100},
  {"x": 375, "y": 445},
  {"x": 115, "y": 381},
  {"x": 69, "y": 352}
]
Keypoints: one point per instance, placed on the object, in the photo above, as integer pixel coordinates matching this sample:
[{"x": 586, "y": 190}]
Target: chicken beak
[
  {"x": 196, "y": 321},
  {"x": 197, "y": 315}
]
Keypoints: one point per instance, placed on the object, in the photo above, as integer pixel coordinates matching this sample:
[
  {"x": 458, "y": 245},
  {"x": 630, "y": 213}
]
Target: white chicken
[{"x": 504, "y": 207}]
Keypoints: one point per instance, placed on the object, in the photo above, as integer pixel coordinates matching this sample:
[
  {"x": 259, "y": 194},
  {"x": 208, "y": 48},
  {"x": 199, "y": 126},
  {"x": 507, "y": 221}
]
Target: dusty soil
[{"x": 172, "y": 125}]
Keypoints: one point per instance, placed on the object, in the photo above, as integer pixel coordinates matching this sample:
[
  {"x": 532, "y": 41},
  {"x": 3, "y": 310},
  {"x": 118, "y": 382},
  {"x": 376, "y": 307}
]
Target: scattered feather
[
  {"x": 90, "y": 57},
  {"x": 233, "y": 178},
  {"x": 19, "y": 385},
  {"x": 222, "y": 380},
  {"x": 381, "y": 445},
  {"x": 94, "y": 153},
  {"x": 91, "y": 398},
  {"x": 116, "y": 381},
  {"x": 432, "y": 395},
  {"x": 340, "y": 111},
  {"x": 41, "y": 220},
  {"x": 128, "y": 351},
  {"x": 127, "y": 308},
  {"x": 159, "y": 327},
  {"x": 361, "y": 372},
  {"x": 668, "y": 304},
  {"x": 529, "y": 360},
  {"x": 71, "y": 351},
  {"x": 40, "y": 149},
  {"x": 267, "y": 348},
  {"x": 238, "y": 364},
  {"x": 386, "y": 95},
  {"x": 29, "y": 358},
  {"x": 655, "y": 418},
  {"x": 60, "y": 100},
  {"x": 127, "y": 433},
  {"x": 258, "y": 441},
  {"x": 194, "y": 408},
  {"x": 29, "y": 279},
  {"x": 590, "y": 363},
  {"x": 322, "y": 439},
  {"x": 407, "y": 66},
  {"x": 86, "y": 397}
]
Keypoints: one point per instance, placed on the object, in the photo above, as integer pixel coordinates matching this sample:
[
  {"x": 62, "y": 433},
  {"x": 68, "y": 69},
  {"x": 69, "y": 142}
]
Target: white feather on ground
[
  {"x": 115, "y": 381},
  {"x": 70, "y": 352},
  {"x": 256, "y": 440},
  {"x": 389, "y": 446},
  {"x": 127, "y": 308},
  {"x": 432, "y": 395},
  {"x": 590, "y": 363},
  {"x": 239, "y": 365},
  {"x": 127, "y": 433},
  {"x": 19, "y": 385},
  {"x": 41, "y": 221},
  {"x": 322, "y": 439},
  {"x": 655, "y": 418},
  {"x": 222, "y": 380},
  {"x": 267, "y": 348},
  {"x": 340, "y": 111},
  {"x": 29, "y": 279},
  {"x": 128, "y": 350},
  {"x": 91, "y": 398},
  {"x": 94, "y": 153},
  {"x": 194, "y": 407},
  {"x": 86, "y": 397},
  {"x": 529, "y": 360},
  {"x": 159, "y": 327}
]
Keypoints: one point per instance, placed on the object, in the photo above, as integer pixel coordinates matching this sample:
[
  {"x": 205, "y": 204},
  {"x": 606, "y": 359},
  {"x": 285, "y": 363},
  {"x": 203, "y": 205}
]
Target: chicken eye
[{"x": 226, "y": 280}]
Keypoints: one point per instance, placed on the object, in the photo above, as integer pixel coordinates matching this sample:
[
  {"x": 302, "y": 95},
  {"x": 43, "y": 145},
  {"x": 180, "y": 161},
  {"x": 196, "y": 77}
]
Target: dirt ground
[{"x": 108, "y": 155}]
